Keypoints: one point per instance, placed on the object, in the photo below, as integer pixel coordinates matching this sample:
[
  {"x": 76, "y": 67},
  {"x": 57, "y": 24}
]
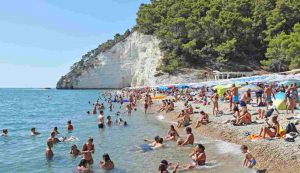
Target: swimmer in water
[
  {"x": 70, "y": 127},
  {"x": 55, "y": 140},
  {"x": 55, "y": 130},
  {"x": 83, "y": 166},
  {"x": 163, "y": 167},
  {"x": 172, "y": 134},
  {"x": 106, "y": 163},
  {"x": 33, "y": 132},
  {"x": 49, "y": 152},
  {"x": 4, "y": 132},
  {"x": 189, "y": 139},
  {"x": 87, "y": 151},
  {"x": 198, "y": 157},
  {"x": 108, "y": 120},
  {"x": 74, "y": 151}
]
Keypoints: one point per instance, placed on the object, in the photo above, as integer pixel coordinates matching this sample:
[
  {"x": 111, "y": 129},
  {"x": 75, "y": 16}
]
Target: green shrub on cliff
[{"x": 221, "y": 33}]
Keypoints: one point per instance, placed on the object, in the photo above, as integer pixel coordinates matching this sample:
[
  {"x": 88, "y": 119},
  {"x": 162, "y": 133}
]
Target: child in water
[
  {"x": 249, "y": 160},
  {"x": 49, "y": 152},
  {"x": 106, "y": 163},
  {"x": 82, "y": 166},
  {"x": 74, "y": 151}
]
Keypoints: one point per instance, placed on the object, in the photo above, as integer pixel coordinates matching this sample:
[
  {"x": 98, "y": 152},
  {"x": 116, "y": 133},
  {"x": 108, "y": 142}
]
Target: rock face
[{"x": 131, "y": 62}]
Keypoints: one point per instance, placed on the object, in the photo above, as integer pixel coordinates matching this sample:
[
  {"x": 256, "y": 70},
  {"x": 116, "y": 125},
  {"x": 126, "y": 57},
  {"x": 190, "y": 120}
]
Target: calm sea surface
[{"x": 22, "y": 109}]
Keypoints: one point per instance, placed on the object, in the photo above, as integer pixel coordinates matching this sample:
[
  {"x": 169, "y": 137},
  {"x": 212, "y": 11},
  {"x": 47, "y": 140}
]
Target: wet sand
[{"x": 273, "y": 156}]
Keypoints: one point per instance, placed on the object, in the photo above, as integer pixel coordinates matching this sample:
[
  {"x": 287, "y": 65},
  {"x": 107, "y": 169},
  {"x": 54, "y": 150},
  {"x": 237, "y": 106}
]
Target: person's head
[
  {"x": 4, "y": 131},
  {"x": 172, "y": 127},
  {"x": 235, "y": 109},
  {"x": 69, "y": 122},
  {"x": 200, "y": 147},
  {"x": 88, "y": 112},
  {"x": 202, "y": 112},
  {"x": 274, "y": 119},
  {"x": 156, "y": 138},
  {"x": 52, "y": 134},
  {"x": 55, "y": 128},
  {"x": 233, "y": 85},
  {"x": 161, "y": 140},
  {"x": 188, "y": 130},
  {"x": 125, "y": 123},
  {"x": 163, "y": 166},
  {"x": 90, "y": 140},
  {"x": 83, "y": 163},
  {"x": 270, "y": 102},
  {"x": 244, "y": 148},
  {"x": 101, "y": 112},
  {"x": 109, "y": 117},
  {"x": 33, "y": 129},
  {"x": 74, "y": 147},
  {"x": 49, "y": 144},
  {"x": 106, "y": 157},
  {"x": 249, "y": 90},
  {"x": 182, "y": 111}
]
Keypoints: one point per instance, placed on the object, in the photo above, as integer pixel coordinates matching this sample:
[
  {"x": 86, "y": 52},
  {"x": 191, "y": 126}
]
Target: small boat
[{"x": 47, "y": 88}]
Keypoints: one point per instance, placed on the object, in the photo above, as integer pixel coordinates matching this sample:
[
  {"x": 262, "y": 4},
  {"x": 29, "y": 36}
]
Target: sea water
[{"x": 22, "y": 109}]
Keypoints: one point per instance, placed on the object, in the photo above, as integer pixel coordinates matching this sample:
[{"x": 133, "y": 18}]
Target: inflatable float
[{"x": 159, "y": 97}]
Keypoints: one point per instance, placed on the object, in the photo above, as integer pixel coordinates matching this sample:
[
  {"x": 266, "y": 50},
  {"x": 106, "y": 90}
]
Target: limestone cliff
[{"x": 131, "y": 62}]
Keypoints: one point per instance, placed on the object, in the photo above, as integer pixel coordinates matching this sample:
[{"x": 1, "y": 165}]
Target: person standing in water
[
  {"x": 55, "y": 130},
  {"x": 74, "y": 151},
  {"x": 215, "y": 99},
  {"x": 146, "y": 105},
  {"x": 70, "y": 127},
  {"x": 101, "y": 120},
  {"x": 49, "y": 153},
  {"x": 87, "y": 151}
]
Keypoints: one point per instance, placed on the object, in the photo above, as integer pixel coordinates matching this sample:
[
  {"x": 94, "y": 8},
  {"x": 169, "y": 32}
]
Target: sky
[{"x": 41, "y": 39}]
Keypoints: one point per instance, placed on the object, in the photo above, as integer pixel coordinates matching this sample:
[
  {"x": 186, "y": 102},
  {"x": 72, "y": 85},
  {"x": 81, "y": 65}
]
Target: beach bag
[{"x": 291, "y": 128}]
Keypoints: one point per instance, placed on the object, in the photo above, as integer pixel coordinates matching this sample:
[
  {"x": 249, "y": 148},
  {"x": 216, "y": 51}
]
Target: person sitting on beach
[
  {"x": 70, "y": 127},
  {"x": 198, "y": 157},
  {"x": 33, "y": 132},
  {"x": 271, "y": 130},
  {"x": 83, "y": 166},
  {"x": 203, "y": 119},
  {"x": 245, "y": 118},
  {"x": 87, "y": 151},
  {"x": 190, "y": 109},
  {"x": 181, "y": 114},
  {"x": 249, "y": 160},
  {"x": 184, "y": 121},
  {"x": 4, "y": 132},
  {"x": 163, "y": 107},
  {"x": 189, "y": 139},
  {"x": 101, "y": 120},
  {"x": 106, "y": 163},
  {"x": 163, "y": 167},
  {"x": 55, "y": 130},
  {"x": 49, "y": 153},
  {"x": 263, "y": 114},
  {"x": 172, "y": 134},
  {"x": 75, "y": 151}
]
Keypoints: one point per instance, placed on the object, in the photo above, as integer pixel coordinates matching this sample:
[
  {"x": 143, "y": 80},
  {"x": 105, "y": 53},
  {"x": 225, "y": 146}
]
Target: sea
[{"x": 22, "y": 109}]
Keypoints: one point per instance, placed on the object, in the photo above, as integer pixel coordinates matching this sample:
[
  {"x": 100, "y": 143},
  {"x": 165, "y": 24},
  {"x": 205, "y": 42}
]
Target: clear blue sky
[{"x": 41, "y": 39}]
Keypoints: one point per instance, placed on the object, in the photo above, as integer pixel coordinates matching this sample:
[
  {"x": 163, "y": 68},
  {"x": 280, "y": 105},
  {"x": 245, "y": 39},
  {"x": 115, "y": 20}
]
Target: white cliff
[{"x": 131, "y": 62}]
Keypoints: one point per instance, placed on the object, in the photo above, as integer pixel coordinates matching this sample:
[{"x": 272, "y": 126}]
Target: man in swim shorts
[
  {"x": 268, "y": 95},
  {"x": 235, "y": 94},
  {"x": 189, "y": 139},
  {"x": 101, "y": 120}
]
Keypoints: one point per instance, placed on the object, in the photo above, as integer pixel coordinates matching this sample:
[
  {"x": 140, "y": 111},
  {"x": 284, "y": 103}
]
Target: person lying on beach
[
  {"x": 33, "y": 132},
  {"x": 49, "y": 153},
  {"x": 55, "y": 130},
  {"x": 266, "y": 114},
  {"x": 172, "y": 134},
  {"x": 70, "y": 127},
  {"x": 164, "y": 165},
  {"x": 83, "y": 166},
  {"x": 189, "y": 139},
  {"x": 198, "y": 157},
  {"x": 184, "y": 121},
  {"x": 75, "y": 151},
  {"x": 271, "y": 130},
  {"x": 106, "y": 163},
  {"x": 249, "y": 160},
  {"x": 245, "y": 118},
  {"x": 4, "y": 132},
  {"x": 202, "y": 120},
  {"x": 87, "y": 150}
]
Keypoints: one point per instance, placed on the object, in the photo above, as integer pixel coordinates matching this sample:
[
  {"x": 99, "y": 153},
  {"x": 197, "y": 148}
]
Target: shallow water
[{"x": 21, "y": 109}]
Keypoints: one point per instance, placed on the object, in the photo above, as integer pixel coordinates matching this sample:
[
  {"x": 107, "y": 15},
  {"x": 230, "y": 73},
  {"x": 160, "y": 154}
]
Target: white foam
[
  {"x": 225, "y": 147},
  {"x": 160, "y": 117},
  {"x": 209, "y": 165}
]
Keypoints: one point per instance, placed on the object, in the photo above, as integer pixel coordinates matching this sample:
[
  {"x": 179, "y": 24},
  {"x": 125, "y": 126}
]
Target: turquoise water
[{"x": 21, "y": 109}]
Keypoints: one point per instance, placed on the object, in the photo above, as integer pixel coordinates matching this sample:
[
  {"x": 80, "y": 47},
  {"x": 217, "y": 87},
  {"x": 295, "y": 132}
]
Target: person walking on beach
[
  {"x": 268, "y": 95},
  {"x": 235, "y": 94},
  {"x": 215, "y": 100},
  {"x": 249, "y": 160},
  {"x": 87, "y": 151},
  {"x": 245, "y": 99}
]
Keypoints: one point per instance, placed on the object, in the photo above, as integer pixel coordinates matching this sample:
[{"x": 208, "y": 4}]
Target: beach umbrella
[
  {"x": 171, "y": 86},
  {"x": 164, "y": 88},
  {"x": 280, "y": 96},
  {"x": 195, "y": 86},
  {"x": 230, "y": 85},
  {"x": 181, "y": 86},
  {"x": 254, "y": 88}
]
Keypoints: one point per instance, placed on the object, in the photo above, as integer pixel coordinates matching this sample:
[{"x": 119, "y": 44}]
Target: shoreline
[{"x": 273, "y": 156}]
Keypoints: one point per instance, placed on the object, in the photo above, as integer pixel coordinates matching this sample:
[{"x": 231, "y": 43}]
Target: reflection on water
[{"x": 20, "y": 110}]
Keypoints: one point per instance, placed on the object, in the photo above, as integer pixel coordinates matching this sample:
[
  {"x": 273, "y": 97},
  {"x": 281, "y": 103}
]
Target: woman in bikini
[
  {"x": 272, "y": 130},
  {"x": 215, "y": 99},
  {"x": 198, "y": 157},
  {"x": 87, "y": 151},
  {"x": 172, "y": 134},
  {"x": 203, "y": 119}
]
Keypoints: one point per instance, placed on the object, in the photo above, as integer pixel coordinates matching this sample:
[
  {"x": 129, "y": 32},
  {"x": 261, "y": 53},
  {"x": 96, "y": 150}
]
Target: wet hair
[
  {"x": 32, "y": 129},
  {"x": 161, "y": 140},
  {"x": 106, "y": 157},
  {"x": 108, "y": 117},
  {"x": 5, "y": 131},
  {"x": 52, "y": 134},
  {"x": 188, "y": 129},
  {"x": 172, "y": 127},
  {"x": 69, "y": 122},
  {"x": 156, "y": 138},
  {"x": 83, "y": 163},
  {"x": 88, "y": 112},
  {"x": 74, "y": 146},
  {"x": 55, "y": 128},
  {"x": 125, "y": 123},
  {"x": 201, "y": 146},
  {"x": 101, "y": 112},
  {"x": 244, "y": 147},
  {"x": 163, "y": 166}
]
